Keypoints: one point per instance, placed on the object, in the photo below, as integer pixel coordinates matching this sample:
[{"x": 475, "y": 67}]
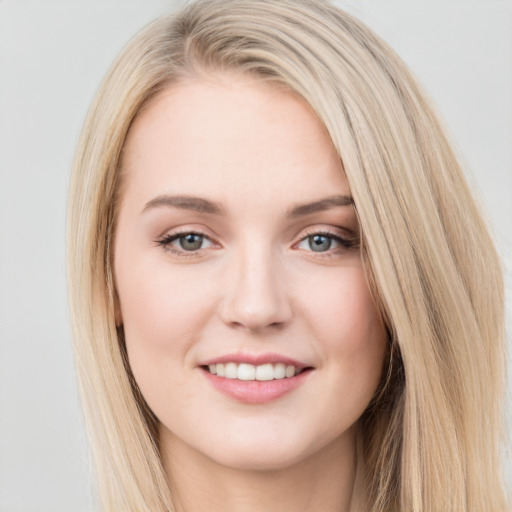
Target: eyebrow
[
  {"x": 197, "y": 204},
  {"x": 201, "y": 205},
  {"x": 320, "y": 206}
]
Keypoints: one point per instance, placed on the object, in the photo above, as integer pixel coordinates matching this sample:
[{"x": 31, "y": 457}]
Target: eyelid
[{"x": 335, "y": 232}]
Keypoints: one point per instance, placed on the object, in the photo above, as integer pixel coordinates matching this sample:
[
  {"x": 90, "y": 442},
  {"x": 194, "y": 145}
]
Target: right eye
[{"x": 182, "y": 243}]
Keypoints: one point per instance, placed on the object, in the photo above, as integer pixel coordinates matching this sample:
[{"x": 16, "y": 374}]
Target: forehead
[{"x": 226, "y": 132}]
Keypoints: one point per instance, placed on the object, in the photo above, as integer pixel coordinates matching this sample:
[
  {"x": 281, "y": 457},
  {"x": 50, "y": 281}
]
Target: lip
[
  {"x": 256, "y": 392},
  {"x": 255, "y": 359}
]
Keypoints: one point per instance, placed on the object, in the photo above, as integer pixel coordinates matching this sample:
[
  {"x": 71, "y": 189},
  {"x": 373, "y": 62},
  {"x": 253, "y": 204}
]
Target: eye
[
  {"x": 181, "y": 243},
  {"x": 319, "y": 242},
  {"x": 327, "y": 243},
  {"x": 190, "y": 241}
]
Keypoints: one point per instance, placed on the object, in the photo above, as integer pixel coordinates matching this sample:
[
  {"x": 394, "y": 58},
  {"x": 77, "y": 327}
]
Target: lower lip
[{"x": 255, "y": 391}]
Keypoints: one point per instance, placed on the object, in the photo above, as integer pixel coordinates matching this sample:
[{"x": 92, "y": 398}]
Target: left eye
[{"x": 319, "y": 242}]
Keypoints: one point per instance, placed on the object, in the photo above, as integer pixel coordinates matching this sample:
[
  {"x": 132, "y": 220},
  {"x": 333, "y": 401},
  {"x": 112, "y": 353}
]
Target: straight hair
[{"x": 433, "y": 433}]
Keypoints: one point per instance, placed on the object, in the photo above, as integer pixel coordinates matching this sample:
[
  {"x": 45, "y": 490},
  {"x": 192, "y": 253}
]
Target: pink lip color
[{"x": 256, "y": 392}]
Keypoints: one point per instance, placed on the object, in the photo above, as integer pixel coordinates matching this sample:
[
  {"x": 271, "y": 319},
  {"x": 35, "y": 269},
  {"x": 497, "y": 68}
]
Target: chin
[
  {"x": 258, "y": 459},
  {"x": 271, "y": 452}
]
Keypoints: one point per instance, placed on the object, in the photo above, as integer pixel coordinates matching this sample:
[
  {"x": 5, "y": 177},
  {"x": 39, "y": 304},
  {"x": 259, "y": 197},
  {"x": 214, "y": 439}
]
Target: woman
[{"x": 283, "y": 294}]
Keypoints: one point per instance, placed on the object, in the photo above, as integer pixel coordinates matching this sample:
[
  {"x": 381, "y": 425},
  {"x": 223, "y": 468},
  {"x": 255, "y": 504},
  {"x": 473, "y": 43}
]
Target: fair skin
[{"x": 237, "y": 242}]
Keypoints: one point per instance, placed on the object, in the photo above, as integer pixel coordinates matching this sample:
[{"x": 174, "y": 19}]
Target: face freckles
[{"x": 237, "y": 242}]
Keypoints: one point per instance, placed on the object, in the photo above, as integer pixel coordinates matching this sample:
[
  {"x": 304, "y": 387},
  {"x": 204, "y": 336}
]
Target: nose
[{"x": 256, "y": 295}]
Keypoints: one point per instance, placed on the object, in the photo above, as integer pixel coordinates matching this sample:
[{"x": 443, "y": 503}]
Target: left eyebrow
[{"x": 320, "y": 206}]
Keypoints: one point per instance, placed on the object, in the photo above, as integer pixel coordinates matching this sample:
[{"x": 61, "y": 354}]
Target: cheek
[
  {"x": 161, "y": 303},
  {"x": 347, "y": 324},
  {"x": 346, "y": 308},
  {"x": 163, "y": 312}
]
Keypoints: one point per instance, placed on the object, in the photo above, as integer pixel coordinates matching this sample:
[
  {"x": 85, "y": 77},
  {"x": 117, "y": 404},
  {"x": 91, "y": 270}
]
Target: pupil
[
  {"x": 319, "y": 243},
  {"x": 191, "y": 242}
]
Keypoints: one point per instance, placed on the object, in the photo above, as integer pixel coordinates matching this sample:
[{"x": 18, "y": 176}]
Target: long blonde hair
[{"x": 432, "y": 433}]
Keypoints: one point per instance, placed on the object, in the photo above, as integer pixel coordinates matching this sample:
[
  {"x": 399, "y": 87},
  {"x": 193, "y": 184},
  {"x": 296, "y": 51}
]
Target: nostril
[
  {"x": 251, "y": 313},
  {"x": 257, "y": 326}
]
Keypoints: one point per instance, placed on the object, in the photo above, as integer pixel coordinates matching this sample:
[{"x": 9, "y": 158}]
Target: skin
[{"x": 254, "y": 286}]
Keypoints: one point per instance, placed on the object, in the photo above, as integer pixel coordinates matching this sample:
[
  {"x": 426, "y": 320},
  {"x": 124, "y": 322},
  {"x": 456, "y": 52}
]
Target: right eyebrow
[{"x": 197, "y": 204}]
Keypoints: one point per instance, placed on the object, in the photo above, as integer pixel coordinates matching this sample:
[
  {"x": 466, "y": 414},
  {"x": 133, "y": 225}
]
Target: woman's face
[{"x": 249, "y": 325}]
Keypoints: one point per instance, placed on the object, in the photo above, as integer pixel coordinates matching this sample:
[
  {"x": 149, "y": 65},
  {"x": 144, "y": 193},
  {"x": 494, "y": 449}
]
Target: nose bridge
[{"x": 255, "y": 290}]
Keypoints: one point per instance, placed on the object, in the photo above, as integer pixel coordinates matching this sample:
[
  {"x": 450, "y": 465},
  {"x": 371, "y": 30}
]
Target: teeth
[
  {"x": 280, "y": 371},
  {"x": 244, "y": 371},
  {"x": 266, "y": 372},
  {"x": 221, "y": 369},
  {"x": 290, "y": 371},
  {"x": 231, "y": 371}
]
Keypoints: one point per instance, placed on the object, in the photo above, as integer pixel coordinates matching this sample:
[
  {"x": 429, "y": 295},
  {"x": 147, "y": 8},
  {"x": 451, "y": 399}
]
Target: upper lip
[{"x": 255, "y": 360}]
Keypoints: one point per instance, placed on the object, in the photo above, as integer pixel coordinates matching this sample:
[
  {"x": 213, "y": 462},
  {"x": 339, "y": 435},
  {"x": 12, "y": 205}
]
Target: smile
[
  {"x": 250, "y": 372},
  {"x": 255, "y": 379}
]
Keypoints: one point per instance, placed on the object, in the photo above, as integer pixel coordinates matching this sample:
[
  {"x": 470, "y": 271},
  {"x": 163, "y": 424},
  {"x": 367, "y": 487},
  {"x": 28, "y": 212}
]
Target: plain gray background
[{"x": 52, "y": 57}]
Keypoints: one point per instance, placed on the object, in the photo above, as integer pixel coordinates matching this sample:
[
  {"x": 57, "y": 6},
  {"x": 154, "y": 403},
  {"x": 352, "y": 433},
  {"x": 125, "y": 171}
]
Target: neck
[{"x": 330, "y": 480}]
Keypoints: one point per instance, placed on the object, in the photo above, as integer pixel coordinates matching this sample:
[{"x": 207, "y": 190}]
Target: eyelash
[
  {"x": 345, "y": 244},
  {"x": 166, "y": 240}
]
